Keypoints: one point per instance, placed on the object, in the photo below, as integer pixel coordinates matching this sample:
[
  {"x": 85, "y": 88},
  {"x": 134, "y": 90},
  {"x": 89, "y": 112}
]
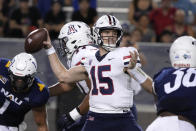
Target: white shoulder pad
[{"x": 81, "y": 54}]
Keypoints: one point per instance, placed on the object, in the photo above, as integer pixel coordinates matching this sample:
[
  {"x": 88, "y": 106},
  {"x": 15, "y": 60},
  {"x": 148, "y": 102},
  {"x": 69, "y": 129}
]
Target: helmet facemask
[
  {"x": 61, "y": 47},
  {"x": 21, "y": 72},
  {"x": 111, "y": 41},
  {"x": 68, "y": 46},
  {"x": 21, "y": 84},
  {"x": 107, "y": 22}
]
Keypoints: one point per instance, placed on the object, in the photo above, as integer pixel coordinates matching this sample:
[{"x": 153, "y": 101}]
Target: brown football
[{"x": 34, "y": 41}]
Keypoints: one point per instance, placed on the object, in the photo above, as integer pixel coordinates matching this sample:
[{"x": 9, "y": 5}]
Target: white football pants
[
  {"x": 170, "y": 123},
  {"x": 22, "y": 127}
]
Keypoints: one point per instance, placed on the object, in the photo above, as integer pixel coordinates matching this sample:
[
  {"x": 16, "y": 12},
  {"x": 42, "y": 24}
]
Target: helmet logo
[
  {"x": 177, "y": 57},
  {"x": 71, "y": 30},
  {"x": 186, "y": 56}
]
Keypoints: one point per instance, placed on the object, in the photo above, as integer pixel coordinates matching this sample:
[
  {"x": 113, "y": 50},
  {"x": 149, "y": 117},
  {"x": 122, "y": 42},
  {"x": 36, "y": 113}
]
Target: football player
[
  {"x": 20, "y": 92},
  {"x": 111, "y": 96},
  {"x": 74, "y": 38},
  {"x": 175, "y": 88}
]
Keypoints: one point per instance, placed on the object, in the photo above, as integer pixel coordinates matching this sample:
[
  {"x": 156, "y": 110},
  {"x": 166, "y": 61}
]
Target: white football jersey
[
  {"x": 110, "y": 86},
  {"x": 81, "y": 53}
]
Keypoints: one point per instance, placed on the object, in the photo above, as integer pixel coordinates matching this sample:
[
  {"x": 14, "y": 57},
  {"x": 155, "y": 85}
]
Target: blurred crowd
[
  {"x": 19, "y": 17},
  {"x": 148, "y": 21},
  {"x": 161, "y": 22}
]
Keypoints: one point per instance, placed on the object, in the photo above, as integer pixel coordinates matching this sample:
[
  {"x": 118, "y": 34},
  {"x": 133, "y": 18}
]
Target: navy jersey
[
  {"x": 14, "y": 106},
  {"x": 176, "y": 91}
]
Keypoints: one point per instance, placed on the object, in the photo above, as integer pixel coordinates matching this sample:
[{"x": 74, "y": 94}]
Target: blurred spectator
[
  {"x": 144, "y": 25},
  {"x": 67, "y": 2},
  {"x": 127, "y": 27},
  {"x": 33, "y": 2},
  {"x": 3, "y": 18},
  {"x": 138, "y": 7},
  {"x": 126, "y": 40},
  {"x": 166, "y": 37},
  {"x": 180, "y": 28},
  {"x": 6, "y": 7},
  {"x": 85, "y": 13},
  {"x": 24, "y": 19},
  {"x": 54, "y": 19},
  {"x": 44, "y": 6},
  {"x": 163, "y": 17},
  {"x": 188, "y": 7},
  {"x": 136, "y": 35},
  {"x": 93, "y": 4}
]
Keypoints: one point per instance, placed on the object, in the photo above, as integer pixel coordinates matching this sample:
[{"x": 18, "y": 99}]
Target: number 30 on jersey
[{"x": 185, "y": 78}]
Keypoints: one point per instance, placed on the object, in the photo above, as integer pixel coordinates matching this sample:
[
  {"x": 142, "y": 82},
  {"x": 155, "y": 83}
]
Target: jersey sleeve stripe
[
  {"x": 79, "y": 63},
  {"x": 126, "y": 63},
  {"x": 126, "y": 57}
]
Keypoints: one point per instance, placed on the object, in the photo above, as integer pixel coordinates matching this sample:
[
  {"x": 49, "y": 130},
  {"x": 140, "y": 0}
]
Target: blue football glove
[{"x": 67, "y": 120}]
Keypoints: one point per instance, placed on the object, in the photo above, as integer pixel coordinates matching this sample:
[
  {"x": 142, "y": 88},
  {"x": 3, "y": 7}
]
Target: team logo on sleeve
[
  {"x": 8, "y": 64},
  {"x": 3, "y": 79},
  {"x": 41, "y": 86}
]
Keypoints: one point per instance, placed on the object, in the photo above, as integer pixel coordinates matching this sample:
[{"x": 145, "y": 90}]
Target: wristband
[
  {"x": 50, "y": 51},
  {"x": 75, "y": 115},
  {"x": 138, "y": 74}
]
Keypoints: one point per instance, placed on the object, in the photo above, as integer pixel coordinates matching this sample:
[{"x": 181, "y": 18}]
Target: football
[{"x": 34, "y": 41}]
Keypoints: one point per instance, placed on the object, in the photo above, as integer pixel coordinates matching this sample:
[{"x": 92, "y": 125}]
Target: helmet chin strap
[{"x": 108, "y": 48}]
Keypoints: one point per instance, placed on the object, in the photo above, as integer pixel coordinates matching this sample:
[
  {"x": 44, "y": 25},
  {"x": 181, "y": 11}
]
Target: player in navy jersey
[
  {"x": 20, "y": 92},
  {"x": 111, "y": 96},
  {"x": 175, "y": 88}
]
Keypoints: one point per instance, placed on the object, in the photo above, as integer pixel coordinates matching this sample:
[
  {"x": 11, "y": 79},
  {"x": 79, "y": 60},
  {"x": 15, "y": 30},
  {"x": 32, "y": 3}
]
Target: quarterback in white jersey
[
  {"x": 110, "y": 96},
  {"x": 111, "y": 91}
]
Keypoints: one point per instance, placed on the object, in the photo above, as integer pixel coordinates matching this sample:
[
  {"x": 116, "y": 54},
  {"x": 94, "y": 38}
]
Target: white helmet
[
  {"x": 72, "y": 36},
  {"x": 183, "y": 52},
  {"x": 23, "y": 66},
  {"x": 104, "y": 23}
]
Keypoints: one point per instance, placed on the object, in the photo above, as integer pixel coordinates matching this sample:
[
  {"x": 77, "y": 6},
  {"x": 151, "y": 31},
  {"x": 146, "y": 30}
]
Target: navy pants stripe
[{"x": 110, "y": 122}]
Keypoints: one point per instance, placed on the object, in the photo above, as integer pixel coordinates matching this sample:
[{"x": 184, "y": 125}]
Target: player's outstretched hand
[
  {"x": 65, "y": 122},
  {"x": 133, "y": 60},
  {"x": 47, "y": 44}
]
